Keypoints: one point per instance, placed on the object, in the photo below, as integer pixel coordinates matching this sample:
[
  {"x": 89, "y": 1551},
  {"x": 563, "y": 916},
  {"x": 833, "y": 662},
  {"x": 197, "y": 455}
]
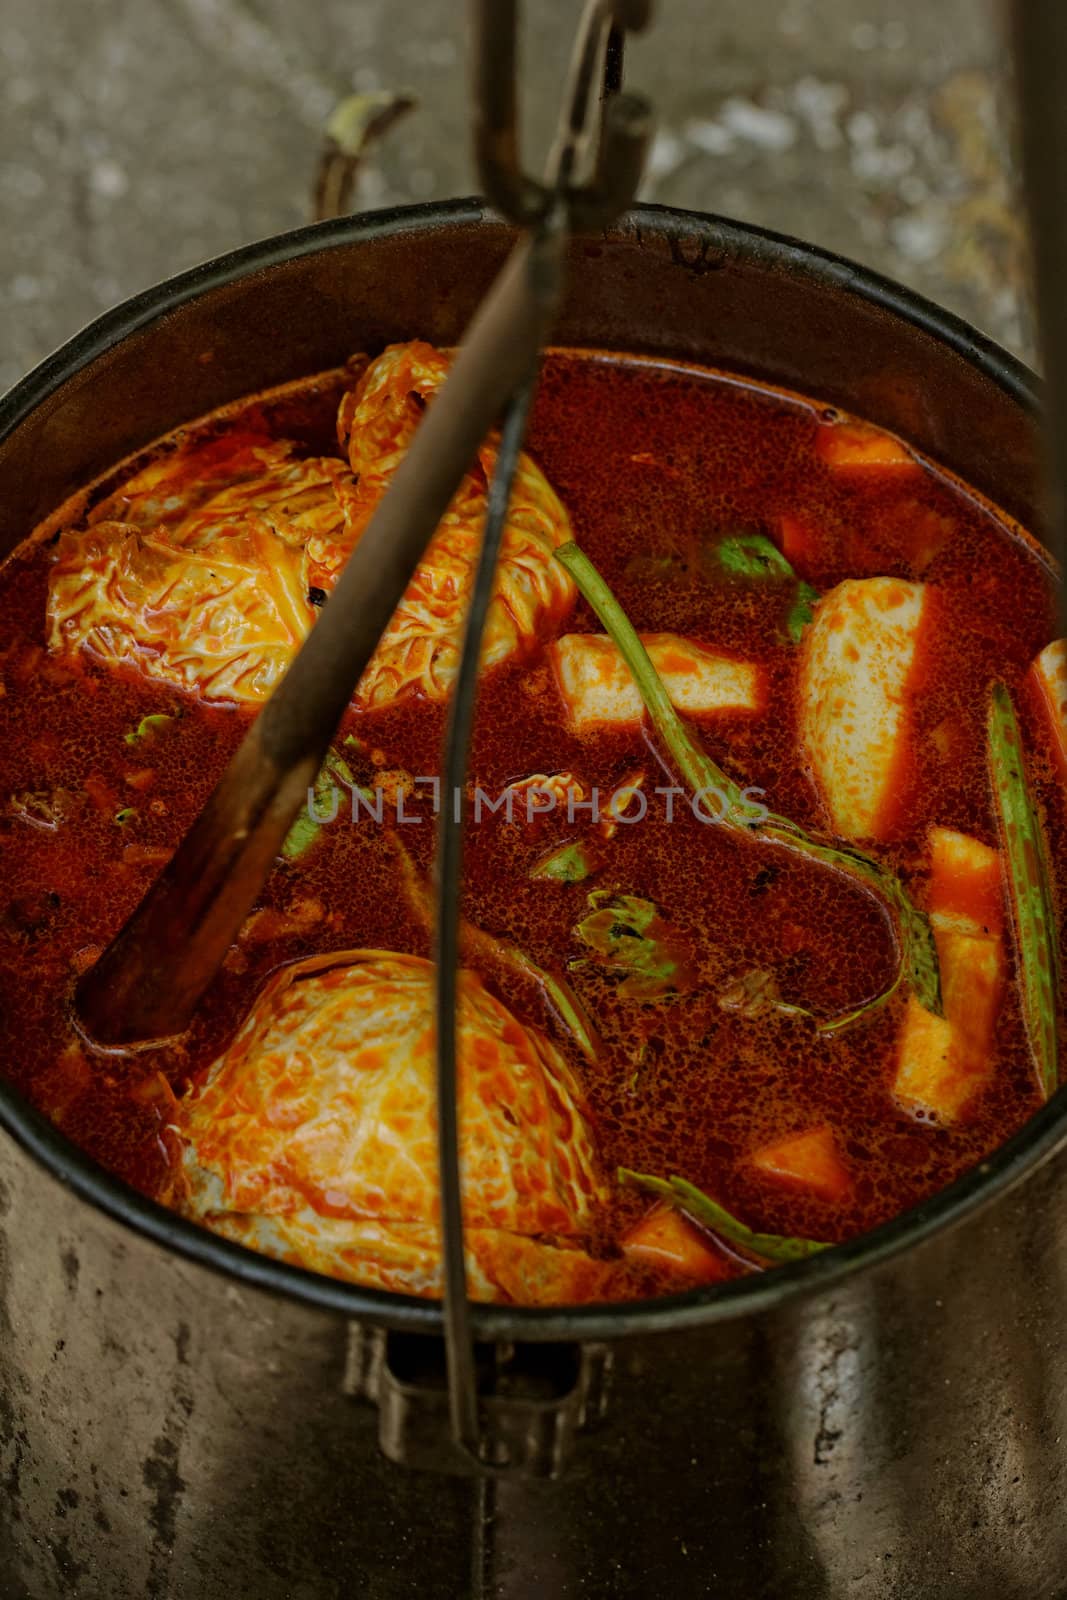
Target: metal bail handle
[{"x": 601, "y": 138}]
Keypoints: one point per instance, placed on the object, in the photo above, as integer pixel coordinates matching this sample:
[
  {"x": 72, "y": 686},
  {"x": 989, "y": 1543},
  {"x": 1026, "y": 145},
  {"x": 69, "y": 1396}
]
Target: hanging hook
[{"x": 613, "y": 146}]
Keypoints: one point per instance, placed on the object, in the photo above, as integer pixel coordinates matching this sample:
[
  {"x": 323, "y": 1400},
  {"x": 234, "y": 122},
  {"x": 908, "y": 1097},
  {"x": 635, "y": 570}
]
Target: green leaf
[
  {"x": 752, "y": 555},
  {"x": 124, "y": 816},
  {"x": 753, "y": 994},
  {"x": 801, "y": 611},
  {"x": 918, "y": 953},
  {"x": 629, "y": 936},
  {"x": 305, "y": 830},
  {"x": 1033, "y": 915},
  {"x": 570, "y": 863},
  {"x": 755, "y": 556},
  {"x": 149, "y": 727},
  {"x": 773, "y": 1247}
]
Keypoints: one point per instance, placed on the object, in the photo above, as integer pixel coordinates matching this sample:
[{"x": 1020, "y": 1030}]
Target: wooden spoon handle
[{"x": 148, "y": 981}]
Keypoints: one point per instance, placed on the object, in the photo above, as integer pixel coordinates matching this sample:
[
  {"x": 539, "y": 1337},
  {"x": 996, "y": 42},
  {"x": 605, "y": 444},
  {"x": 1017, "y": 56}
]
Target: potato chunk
[
  {"x": 942, "y": 1062},
  {"x": 857, "y": 658},
  {"x": 598, "y": 690},
  {"x": 314, "y": 1137}
]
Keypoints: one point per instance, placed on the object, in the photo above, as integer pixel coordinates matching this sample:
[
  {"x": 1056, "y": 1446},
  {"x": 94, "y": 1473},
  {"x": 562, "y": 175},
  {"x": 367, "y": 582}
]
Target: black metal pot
[{"x": 181, "y": 1418}]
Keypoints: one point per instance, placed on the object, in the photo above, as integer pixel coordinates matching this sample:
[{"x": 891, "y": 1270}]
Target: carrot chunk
[
  {"x": 664, "y": 1238},
  {"x": 966, "y": 883},
  {"x": 796, "y": 540},
  {"x": 943, "y": 1062},
  {"x": 807, "y": 1160},
  {"x": 858, "y": 444},
  {"x": 143, "y": 778}
]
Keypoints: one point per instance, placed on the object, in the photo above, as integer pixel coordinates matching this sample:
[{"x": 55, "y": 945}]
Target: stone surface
[{"x": 138, "y": 137}]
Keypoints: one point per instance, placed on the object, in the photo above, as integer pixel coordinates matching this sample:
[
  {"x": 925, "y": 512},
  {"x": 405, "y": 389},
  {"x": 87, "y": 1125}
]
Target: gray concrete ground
[{"x": 138, "y": 137}]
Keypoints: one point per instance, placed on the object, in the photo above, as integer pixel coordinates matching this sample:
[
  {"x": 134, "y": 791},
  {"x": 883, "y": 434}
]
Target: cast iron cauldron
[{"x": 183, "y": 1420}]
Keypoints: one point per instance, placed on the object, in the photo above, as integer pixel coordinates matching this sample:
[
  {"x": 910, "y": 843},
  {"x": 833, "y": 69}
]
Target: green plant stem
[
  {"x": 1033, "y": 917},
  {"x": 774, "y": 1247},
  {"x": 915, "y": 940}
]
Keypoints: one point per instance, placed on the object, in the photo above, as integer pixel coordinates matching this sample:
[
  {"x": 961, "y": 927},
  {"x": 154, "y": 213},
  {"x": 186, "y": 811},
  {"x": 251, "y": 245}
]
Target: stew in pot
[{"x": 764, "y": 835}]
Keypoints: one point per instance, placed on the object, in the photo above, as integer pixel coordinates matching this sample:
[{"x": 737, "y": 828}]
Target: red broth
[{"x": 654, "y": 463}]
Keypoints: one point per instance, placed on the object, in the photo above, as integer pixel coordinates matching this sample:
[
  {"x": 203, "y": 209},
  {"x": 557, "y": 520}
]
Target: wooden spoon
[{"x": 147, "y": 983}]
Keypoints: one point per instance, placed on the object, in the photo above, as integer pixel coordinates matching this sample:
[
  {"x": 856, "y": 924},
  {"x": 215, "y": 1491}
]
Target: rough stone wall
[{"x": 138, "y": 137}]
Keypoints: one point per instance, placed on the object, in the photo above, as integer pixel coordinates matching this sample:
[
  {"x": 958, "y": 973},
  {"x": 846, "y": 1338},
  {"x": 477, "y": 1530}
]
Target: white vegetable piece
[
  {"x": 857, "y": 657},
  {"x": 599, "y": 691}
]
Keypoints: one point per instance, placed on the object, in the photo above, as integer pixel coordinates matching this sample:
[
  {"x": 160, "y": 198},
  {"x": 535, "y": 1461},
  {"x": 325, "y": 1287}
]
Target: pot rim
[{"x": 1041, "y": 1136}]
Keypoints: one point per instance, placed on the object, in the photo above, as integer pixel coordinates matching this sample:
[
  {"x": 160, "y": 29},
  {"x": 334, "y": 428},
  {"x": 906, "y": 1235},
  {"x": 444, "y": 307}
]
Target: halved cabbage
[
  {"x": 223, "y": 622},
  {"x": 532, "y": 594},
  {"x": 213, "y": 487},
  {"x": 314, "y": 1137},
  {"x": 201, "y": 569}
]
